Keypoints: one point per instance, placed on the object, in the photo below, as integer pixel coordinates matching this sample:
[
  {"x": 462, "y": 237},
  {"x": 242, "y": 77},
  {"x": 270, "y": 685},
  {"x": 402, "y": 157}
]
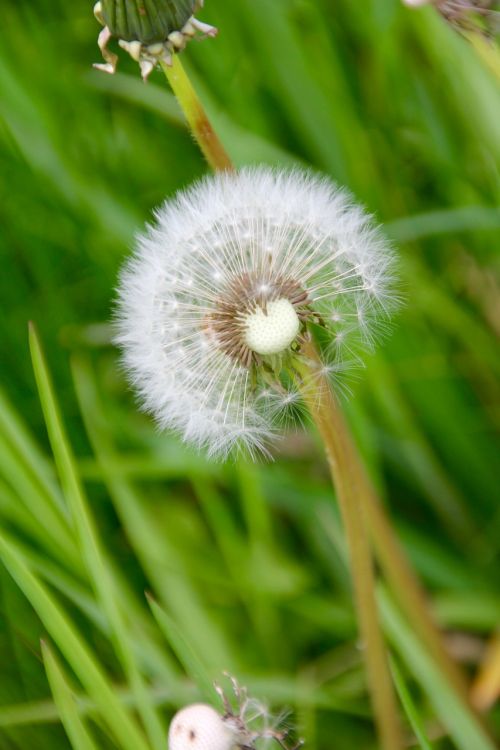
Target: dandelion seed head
[
  {"x": 200, "y": 727},
  {"x": 479, "y": 16},
  {"x": 221, "y": 290}
]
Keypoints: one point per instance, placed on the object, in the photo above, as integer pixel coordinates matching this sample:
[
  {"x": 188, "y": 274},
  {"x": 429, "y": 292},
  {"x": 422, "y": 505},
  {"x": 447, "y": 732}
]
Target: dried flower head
[
  {"x": 222, "y": 290},
  {"x": 149, "y": 31},
  {"x": 200, "y": 727},
  {"x": 468, "y": 15}
]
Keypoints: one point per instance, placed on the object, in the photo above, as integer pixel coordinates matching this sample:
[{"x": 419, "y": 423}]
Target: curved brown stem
[{"x": 348, "y": 481}]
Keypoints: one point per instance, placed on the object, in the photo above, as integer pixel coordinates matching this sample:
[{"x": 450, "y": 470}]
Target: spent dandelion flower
[
  {"x": 217, "y": 301},
  {"x": 199, "y": 726},
  {"x": 151, "y": 32},
  {"x": 478, "y": 21},
  {"x": 466, "y": 15}
]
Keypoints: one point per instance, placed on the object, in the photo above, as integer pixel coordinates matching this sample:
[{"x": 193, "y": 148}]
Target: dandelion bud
[
  {"x": 219, "y": 298},
  {"x": 150, "y": 31}
]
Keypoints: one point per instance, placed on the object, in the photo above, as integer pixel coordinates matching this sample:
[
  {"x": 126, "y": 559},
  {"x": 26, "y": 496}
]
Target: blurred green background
[{"x": 247, "y": 562}]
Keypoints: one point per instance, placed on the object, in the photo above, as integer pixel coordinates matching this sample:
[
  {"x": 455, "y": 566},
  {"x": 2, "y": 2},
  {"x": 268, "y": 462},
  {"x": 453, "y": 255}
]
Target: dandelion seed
[{"x": 223, "y": 289}]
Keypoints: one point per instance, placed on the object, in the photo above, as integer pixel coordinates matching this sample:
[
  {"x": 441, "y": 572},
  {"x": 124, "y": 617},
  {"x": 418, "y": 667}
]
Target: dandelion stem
[
  {"x": 348, "y": 478},
  {"x": 389, "y": 552},
  {"x": 210, "y": 145}
]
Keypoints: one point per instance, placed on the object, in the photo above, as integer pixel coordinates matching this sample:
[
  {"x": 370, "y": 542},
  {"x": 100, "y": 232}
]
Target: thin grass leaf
[
  {"x": 46, "y": 712},
  {"x": 409, "y": 707},
  {"x": 461, "y": 724},
  {"x": 30, "y": 712},
  {"x": 419, "y": 457},
  {"x": 154, "y": 550},
  {"x": 16, "y": 513},
  {"x": 444, "y": 221},
  {"x": 97, "y": 566},
  {"x": 34, "y": 463},
  {"x": 70, "y": 643},
  {"x": 66, "y": 704},
  {"x": 53, "y": 528},
  {"x": 187, "y": 654}
]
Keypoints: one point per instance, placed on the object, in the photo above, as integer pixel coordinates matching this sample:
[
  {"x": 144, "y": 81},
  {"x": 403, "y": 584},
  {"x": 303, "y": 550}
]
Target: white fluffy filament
[{"x": 259, "y": 223}]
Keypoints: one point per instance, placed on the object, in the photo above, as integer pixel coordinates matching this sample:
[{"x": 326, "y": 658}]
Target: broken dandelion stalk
[{"x": 201, "y": 128}]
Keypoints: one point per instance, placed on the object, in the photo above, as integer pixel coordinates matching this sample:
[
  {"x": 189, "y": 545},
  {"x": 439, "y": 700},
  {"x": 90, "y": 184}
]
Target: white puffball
[{"x": 200, "y": 727}]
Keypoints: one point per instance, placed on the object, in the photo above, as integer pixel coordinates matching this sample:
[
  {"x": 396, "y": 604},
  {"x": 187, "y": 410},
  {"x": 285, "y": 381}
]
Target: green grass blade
[
  {"x": 46, "y": 712},
  {"x": 91, "y": 546},
  {"x": 53, "y": 529},
  {"x": 68, "y": 640},
  {"x": 66, "y": 704},
  {"x": 154, "y": 549},
  {"x": 454, "y": 714},
  {"x": 409, "y": 707},
  {"x": 19, "y": 437},
  {"x": 192, "y": 661}
]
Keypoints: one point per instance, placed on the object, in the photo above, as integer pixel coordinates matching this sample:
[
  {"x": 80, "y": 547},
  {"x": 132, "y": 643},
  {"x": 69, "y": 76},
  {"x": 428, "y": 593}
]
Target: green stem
[
  {"x": 390, "y": 554},
  {"x": 210, "y": 145},
  {"x": 344, "y": 468}
]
